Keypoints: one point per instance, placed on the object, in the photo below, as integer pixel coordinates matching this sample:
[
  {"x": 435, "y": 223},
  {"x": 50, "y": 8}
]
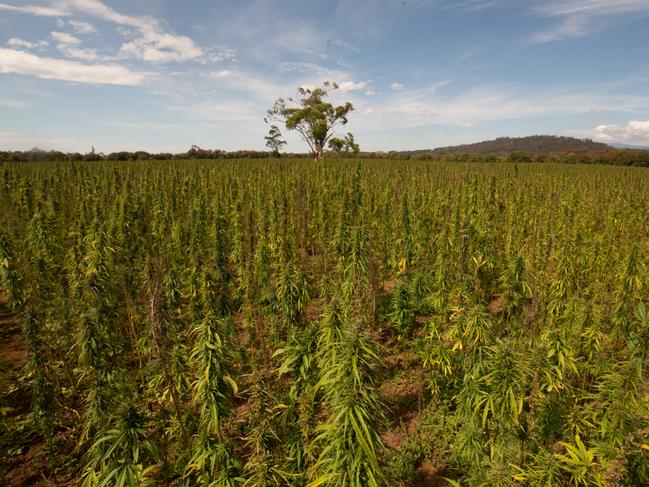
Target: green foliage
[
  {"x": 311, "y": 117},
  {"x": 122, "y": 456},
  {"x": 274, "y": 140},
  {"x": 345, "y": 145},
  {"x": 275, "y": 322}
]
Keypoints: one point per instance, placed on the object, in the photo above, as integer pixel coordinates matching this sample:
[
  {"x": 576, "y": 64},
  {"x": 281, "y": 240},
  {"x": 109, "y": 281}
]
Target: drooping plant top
[{"x": 312, "y": 117}]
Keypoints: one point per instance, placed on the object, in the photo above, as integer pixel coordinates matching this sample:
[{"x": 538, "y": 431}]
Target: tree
[
  {"x": 348, "y": 144},
  {"x": 312, "y": 117},
  {"x": 274, "y": 141},
  {"x": 336, "y": 144}
]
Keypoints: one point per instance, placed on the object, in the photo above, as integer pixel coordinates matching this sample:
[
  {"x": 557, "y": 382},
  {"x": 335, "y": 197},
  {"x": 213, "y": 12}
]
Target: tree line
[{"x": 615, "y": 157}]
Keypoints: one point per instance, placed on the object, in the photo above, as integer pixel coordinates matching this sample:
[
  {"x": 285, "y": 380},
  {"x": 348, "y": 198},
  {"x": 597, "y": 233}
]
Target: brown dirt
[
  {"x": 402, "y": 395},
  {"x": 30, "y": 467},
  {"x": 314, "y": 310},
  {"x": 388, "y": 286},
  {"x": 428, "y": 475},
  {"x": 401, "y": 360},
  {"x": 497, "y": 304},
  {"x": 13, "y": 350},
  {"x": 13, "y": 358}
]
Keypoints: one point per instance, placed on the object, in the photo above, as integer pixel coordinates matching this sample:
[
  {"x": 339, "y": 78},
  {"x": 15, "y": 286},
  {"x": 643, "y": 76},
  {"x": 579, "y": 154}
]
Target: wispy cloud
[
  {"x": 335, "y": 42},
  {"x": 20, "y": 62},
  {"x": 69, "y": 45},
  {"x": 568, "y": 28},
  {"x": 36, "y": 10},
  {"x": 220, "y": 74},
  {"x": 580, "y": 18},
  {"x": 396, "y": 86},
  {"x": 312, "y": 68},
  {"x": 493, "y": 103},
  {"x": 13, "y": 103},
  {"x": 18, "y": 140},
  {"x": 23, "y": 44},
  {"x": 472, "y": 5},
  {"x": 435, "y": 87},
  {"x": 81, "y": 27},
  {"x": 345, "y": 86},
  {"x": 315, "y": 74},
  {"x": 592, "y": 7},
  {"x": 148, "y": 126}
]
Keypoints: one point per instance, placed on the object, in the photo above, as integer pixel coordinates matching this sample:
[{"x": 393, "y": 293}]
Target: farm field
[{"x": 340, "y": 323}]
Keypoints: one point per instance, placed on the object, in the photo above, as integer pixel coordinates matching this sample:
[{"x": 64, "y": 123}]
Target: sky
[{"x": 163, "y": 75}]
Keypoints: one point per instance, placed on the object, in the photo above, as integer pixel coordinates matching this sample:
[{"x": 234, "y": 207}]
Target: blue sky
[{"x": 161, "y": 75}]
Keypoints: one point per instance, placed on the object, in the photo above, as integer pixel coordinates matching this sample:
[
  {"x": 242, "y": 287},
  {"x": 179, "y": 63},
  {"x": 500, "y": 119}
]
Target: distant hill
[
  {"x": 632, "y": 147},
  {"x": 533, "y": 144}
]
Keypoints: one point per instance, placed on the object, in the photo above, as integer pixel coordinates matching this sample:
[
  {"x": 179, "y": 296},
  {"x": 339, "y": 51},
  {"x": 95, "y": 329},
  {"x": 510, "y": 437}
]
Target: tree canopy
[
  {"x": 346, "y": 145},
  {"x": 311, "y": 116},
  {"x": 274, "y": 140}
]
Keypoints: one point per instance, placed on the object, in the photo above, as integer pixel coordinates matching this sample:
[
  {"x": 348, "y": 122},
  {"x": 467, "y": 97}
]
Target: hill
[
  {"x": 630, "y": 147},
  {"x": 533, "y": 143}
]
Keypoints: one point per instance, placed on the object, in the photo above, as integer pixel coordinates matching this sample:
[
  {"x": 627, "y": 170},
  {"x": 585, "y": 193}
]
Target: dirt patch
[
  {"x": 314, "y": 310},
  {"x": 28, "y": 468},
  {"x": 497, "y": 304},
  {"x": 13, "y": 351},
  {"x": 13, "y": 358},
  {"x": 392, "y": 438},
  {"x": 398, "y": 361},
  {"x": 428, "y": 475},
  {"x": 388, "y": 286},
  {"x": 402, "y": 396}
]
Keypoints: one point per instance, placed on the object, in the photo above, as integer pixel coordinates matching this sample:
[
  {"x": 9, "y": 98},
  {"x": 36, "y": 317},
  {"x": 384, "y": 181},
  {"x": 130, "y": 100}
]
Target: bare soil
[{"x": 29, "y": 467}]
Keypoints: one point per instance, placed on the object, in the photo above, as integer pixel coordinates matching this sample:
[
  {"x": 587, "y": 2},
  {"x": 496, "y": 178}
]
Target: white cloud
[
  {"x": 316, "y": 73},
  {"x": 150, "y": 41},
  {"x": 635, "y": 132},
  {"x": 218, "y": 54},
  {"x": 396, "y": 86},
  {"x": 21, "y": 43},
  {"x": 155, "y": 46},
  {"x": 65, "y": 38},
  {"x": 126, "y": 32},
  {"x": 224, "y": 73},
  {"x": 19, "y": 62},
  {"x": 36, "y": 10},
  {"x": 370, "y": 93},
  {"x": 69, "y": 45},
  {"x": 82, "y": 27},
  {"x": 351, "y": 85}
]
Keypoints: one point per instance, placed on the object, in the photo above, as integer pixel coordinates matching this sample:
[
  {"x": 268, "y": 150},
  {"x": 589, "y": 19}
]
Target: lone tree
[
  {"x": 346, "y": 145},
  {"x": 312, "y": 117},
  {"x": 274, "y": 141}
]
